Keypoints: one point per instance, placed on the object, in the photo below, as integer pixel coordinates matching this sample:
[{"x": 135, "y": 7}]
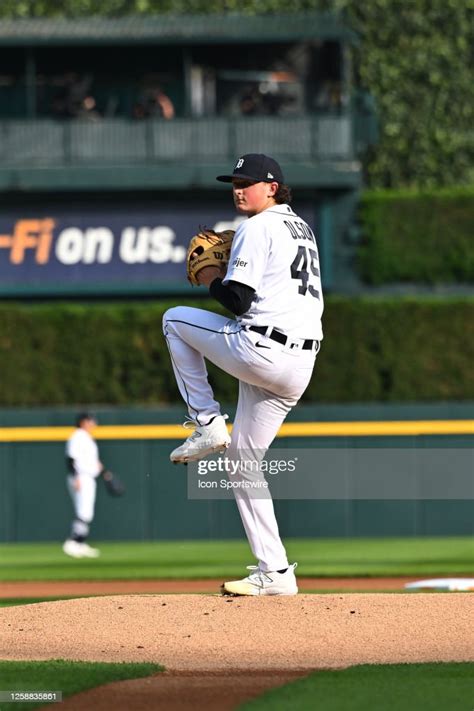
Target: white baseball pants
[
  {"x": 272, "y": 378},
  {"x": 84, "y": 499}
]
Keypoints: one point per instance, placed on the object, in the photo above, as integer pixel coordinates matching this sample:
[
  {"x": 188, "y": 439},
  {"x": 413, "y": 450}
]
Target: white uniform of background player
[
  {"x": 270, "y": 348},
  {"x": 84, "y": 466}
]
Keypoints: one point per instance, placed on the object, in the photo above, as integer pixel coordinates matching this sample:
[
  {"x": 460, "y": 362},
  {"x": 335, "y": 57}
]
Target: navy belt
[{"x": 281, "y": 338}]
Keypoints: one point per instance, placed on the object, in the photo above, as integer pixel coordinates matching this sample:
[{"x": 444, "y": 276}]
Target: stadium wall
[{"x": 34, "y": 505}]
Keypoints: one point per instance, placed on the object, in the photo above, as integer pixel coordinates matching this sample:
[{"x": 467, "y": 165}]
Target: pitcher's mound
[{"x": 209, "y": 633}]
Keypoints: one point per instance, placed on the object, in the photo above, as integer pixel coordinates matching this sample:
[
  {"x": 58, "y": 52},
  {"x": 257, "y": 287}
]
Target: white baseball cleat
[
  {"x": 88, "y": 551},
  {"x": 259, "y": 582},
  {"x": 205, "y": 440},
  {"x": 73, "y": 548}
]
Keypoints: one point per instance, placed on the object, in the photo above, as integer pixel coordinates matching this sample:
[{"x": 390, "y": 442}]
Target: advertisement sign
[{"x": 110, "y": 251}]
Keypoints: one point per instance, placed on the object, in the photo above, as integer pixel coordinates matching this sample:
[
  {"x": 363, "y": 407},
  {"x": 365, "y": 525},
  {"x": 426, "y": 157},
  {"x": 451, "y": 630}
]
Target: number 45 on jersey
[{"x": 304, "y": 264}]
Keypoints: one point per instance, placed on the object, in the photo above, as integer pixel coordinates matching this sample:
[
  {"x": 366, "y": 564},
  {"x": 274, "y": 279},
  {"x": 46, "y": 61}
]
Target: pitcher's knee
[{"x": 170, "y": 315}]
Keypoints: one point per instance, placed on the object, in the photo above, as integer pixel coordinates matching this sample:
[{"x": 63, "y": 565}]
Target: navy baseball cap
[
  {"x": 257, "y": 167},
  {"x": 81, "y": 416}
]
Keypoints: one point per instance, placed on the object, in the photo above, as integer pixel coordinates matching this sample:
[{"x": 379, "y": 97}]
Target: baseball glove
[
  {"x": 208, "y": 249},
  {"x": 113, "y": 485}
]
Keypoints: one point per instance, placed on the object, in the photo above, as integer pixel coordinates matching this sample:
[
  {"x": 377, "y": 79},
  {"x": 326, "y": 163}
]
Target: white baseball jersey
[
  {"x": 83, "y": 449},
  {"x": 275, "y": 253}
]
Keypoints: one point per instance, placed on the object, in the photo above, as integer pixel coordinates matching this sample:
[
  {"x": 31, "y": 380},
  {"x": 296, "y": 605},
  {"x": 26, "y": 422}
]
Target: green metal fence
[{"x": 50, "y": 143}]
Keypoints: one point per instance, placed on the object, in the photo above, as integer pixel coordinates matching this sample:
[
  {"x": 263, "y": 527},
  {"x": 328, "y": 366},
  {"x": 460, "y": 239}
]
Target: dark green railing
[{"x": 118, "y": 141}]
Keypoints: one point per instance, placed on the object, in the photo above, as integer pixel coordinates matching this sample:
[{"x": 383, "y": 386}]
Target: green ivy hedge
[
  {"x": 374, "y": 350},
  {"x": 417, "y": 237}
]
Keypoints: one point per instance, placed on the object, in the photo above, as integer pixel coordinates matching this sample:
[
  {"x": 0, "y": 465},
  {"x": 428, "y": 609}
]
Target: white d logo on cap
[{"x": 239, "y": 163}]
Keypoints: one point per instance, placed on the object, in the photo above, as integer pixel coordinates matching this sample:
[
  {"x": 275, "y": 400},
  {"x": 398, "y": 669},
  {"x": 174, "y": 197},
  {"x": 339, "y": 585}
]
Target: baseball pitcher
[{"x": 269, "y": 278}]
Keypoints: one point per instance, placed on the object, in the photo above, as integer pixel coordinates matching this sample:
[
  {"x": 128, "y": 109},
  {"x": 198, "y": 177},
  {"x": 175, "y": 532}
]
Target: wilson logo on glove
[{"x": 202, "y": 251}]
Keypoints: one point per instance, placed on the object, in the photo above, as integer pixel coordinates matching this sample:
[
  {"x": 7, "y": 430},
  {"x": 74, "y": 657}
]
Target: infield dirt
[{"x": 221, "y": 650}]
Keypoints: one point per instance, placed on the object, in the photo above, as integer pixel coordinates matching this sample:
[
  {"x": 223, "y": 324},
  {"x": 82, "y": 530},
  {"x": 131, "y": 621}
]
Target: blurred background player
[{"x": 84, "y": 466}]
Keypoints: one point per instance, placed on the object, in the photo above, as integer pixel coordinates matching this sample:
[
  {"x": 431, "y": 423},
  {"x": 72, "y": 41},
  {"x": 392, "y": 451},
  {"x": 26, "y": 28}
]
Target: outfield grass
[
  {"x": 388, "y": 687},
  {"x": 10, "y": 601},
  {"x": 214, "y": 559},
  {"x": 68, "y": 677}
]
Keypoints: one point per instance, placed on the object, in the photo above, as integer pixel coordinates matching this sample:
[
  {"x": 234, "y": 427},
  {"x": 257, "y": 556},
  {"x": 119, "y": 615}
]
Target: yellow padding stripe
[{"x": 289, "y": 429}]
